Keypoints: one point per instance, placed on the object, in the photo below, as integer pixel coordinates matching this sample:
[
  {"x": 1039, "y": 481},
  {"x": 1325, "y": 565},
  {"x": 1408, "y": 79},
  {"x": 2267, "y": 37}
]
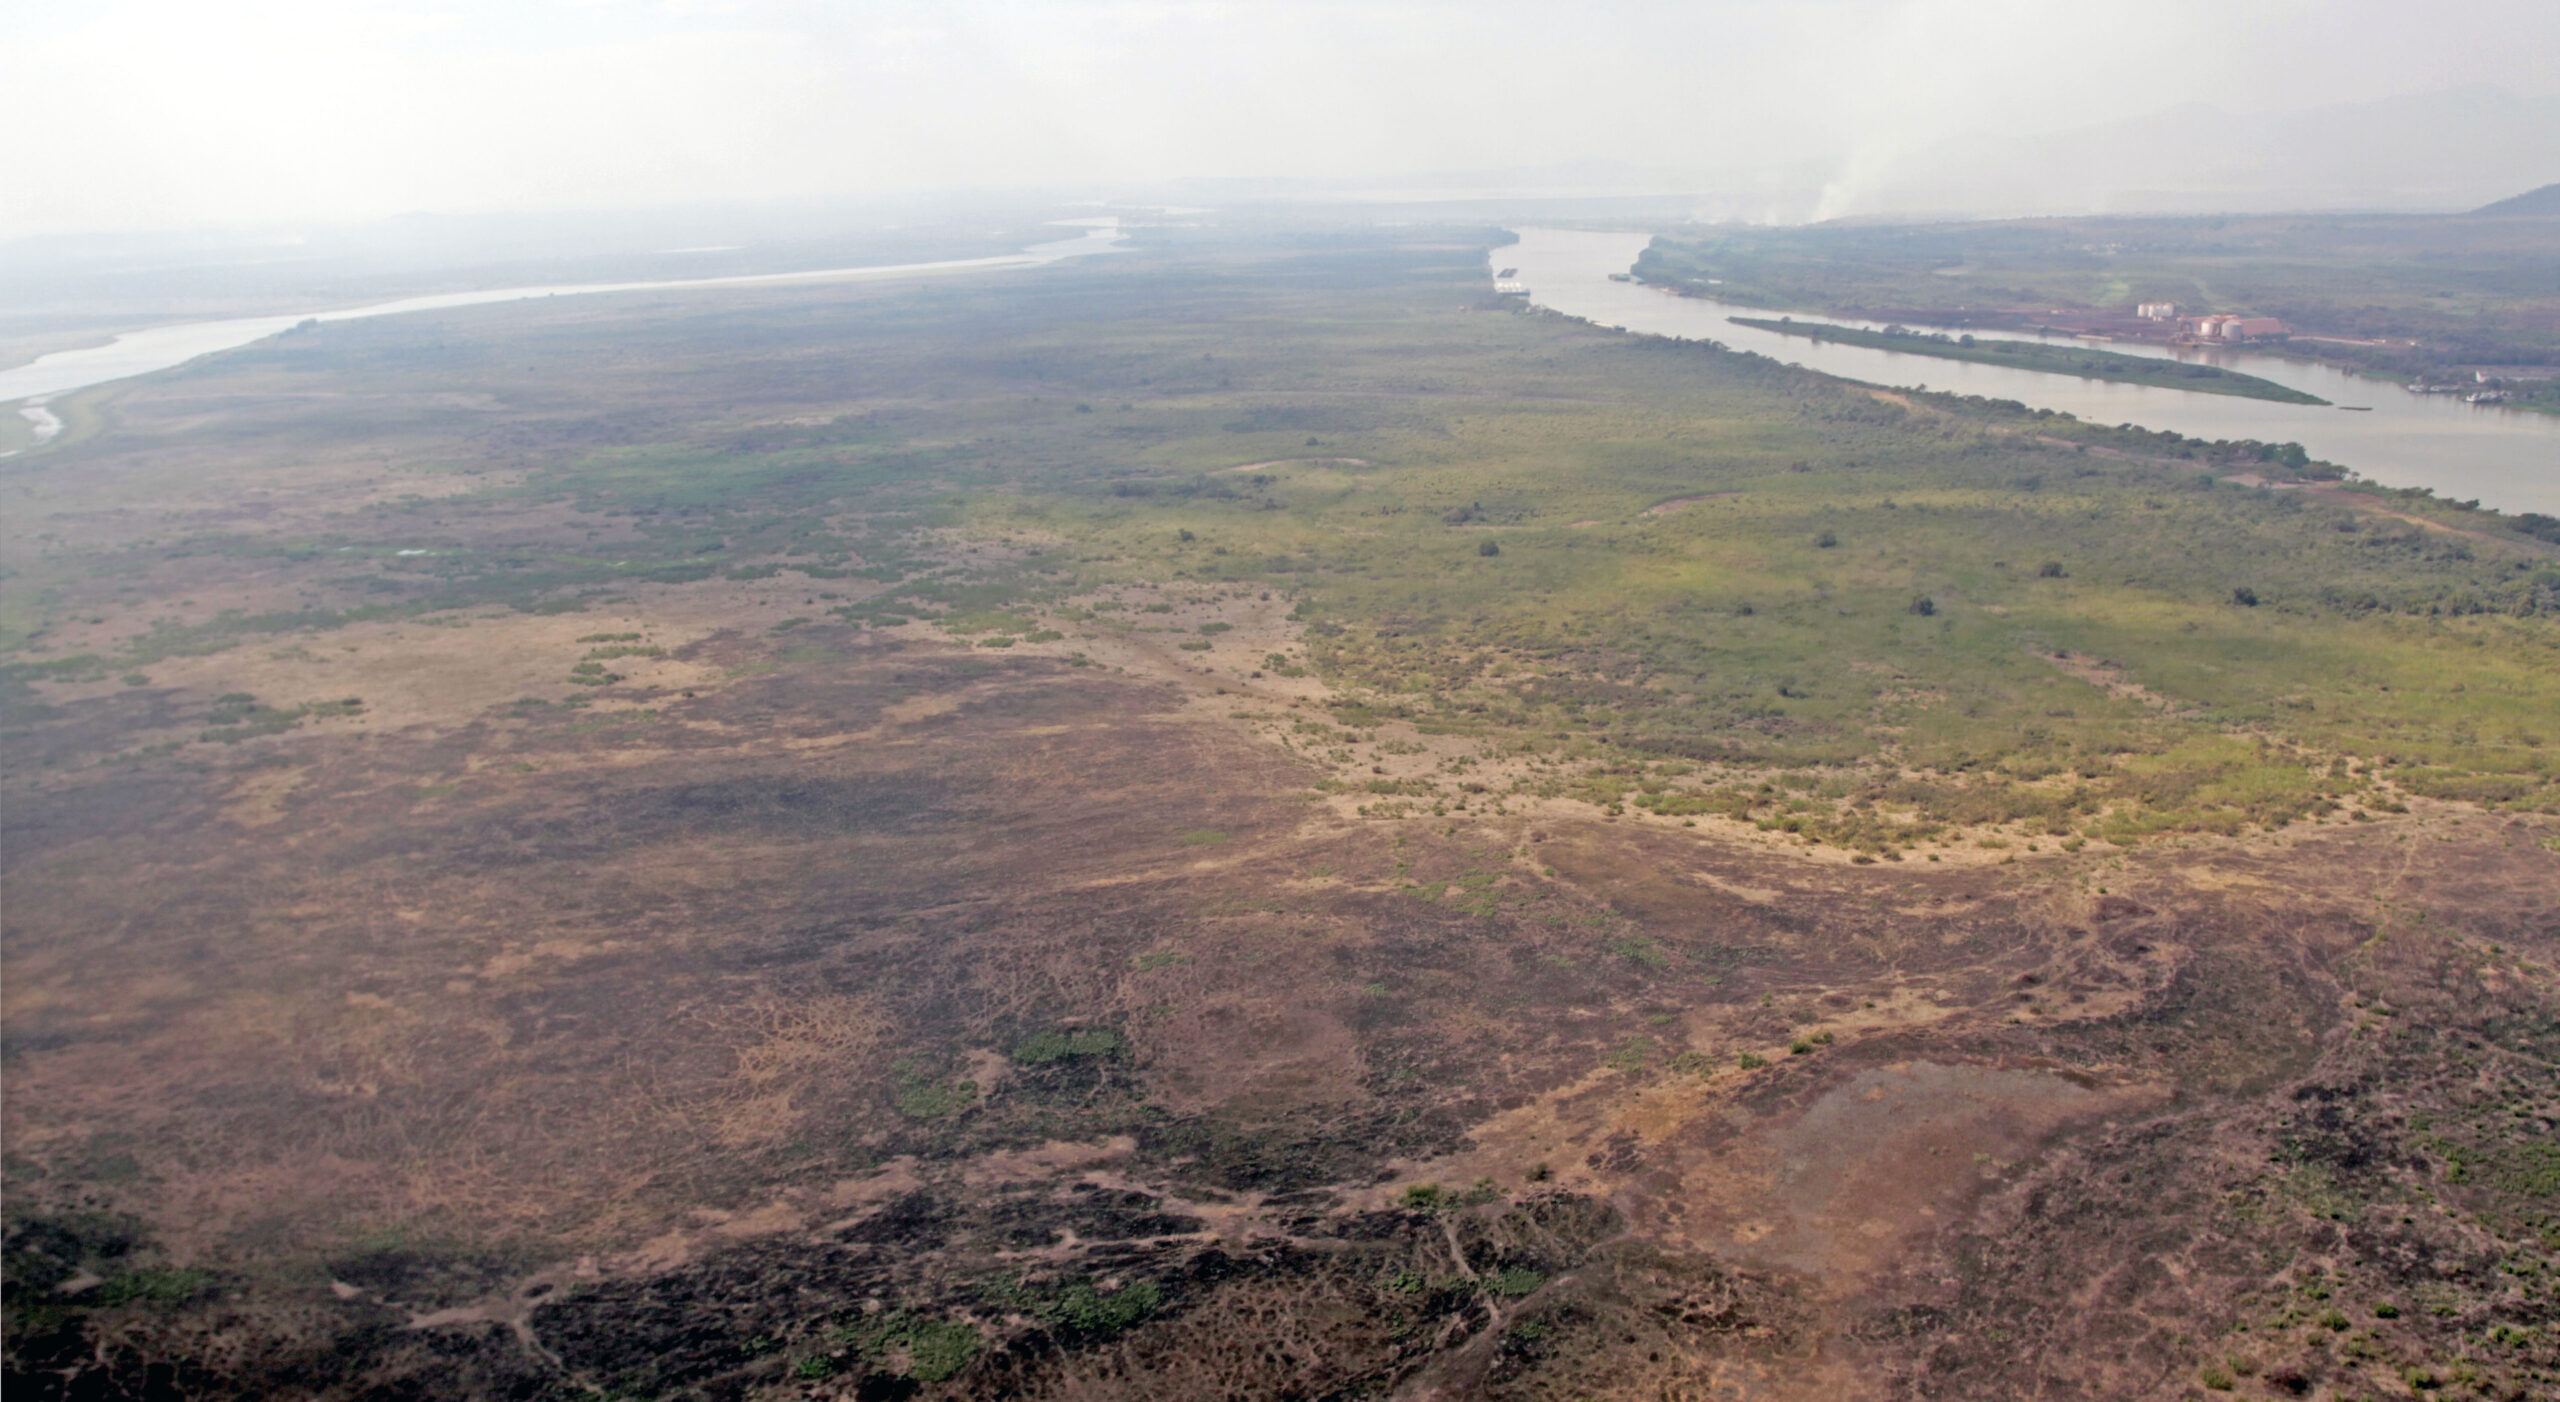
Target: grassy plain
[{"x": 1238, "y": 820}]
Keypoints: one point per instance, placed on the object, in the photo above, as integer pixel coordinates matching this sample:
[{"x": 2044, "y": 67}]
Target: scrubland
[{"x": 1239, "y": 820}]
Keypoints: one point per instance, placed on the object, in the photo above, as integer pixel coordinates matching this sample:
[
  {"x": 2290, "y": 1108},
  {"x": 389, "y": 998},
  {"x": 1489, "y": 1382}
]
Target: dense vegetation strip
[{"x": 2081, "y": 361}]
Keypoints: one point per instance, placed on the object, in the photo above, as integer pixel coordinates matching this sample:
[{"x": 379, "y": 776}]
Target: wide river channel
[
  {"x": 160, "y": 347},
  {"x": 2506, "y": 458}
]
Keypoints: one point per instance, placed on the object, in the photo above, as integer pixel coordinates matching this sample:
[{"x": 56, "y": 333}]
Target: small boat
[{"x": 2357, "y": 408}]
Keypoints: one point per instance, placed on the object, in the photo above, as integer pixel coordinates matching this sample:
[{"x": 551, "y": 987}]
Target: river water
[
  {"x": 142, "y": 352},
  {"x": 2506, "y": 458}
]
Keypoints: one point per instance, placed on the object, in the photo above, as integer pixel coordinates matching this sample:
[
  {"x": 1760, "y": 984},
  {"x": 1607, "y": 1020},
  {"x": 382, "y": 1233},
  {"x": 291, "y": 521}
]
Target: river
[
  {"x": 2506, "y": 458},
  {"x": 160, "y": 347}
]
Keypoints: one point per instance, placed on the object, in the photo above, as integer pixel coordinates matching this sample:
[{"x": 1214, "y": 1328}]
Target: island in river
[{"x": 2087, "y": 363}]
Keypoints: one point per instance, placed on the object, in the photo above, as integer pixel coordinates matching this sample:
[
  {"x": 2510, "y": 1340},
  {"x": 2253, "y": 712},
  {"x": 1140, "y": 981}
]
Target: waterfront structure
[{"x": 2226, "y": 327}]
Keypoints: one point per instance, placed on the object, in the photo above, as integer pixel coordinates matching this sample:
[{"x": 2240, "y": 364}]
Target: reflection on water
[
  {"x": 2507, "y": 458},
  {"x": 142, "y": 352}
]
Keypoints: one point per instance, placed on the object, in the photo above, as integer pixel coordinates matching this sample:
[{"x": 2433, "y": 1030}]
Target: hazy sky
[{"x": 149, "y": 113}]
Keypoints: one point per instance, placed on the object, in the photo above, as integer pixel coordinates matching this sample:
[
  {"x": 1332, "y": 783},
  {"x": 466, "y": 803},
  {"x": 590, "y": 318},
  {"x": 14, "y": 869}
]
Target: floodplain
[{"x": 1250, "y": 820}]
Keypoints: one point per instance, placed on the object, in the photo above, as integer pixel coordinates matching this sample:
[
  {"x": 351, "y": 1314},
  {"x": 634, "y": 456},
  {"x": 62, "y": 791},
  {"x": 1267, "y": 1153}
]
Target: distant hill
[{"x": 2543, "y": 201}]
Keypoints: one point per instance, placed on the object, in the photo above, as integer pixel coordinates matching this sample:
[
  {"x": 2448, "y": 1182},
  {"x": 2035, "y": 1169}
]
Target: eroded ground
[{"x": 717, "y": 984}]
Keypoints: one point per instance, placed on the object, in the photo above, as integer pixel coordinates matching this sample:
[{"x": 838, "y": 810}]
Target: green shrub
[
  {"x": 938, "y": 1350},
  {"x": 1515, "y": 1282},
  {"x": 1090, "y": 1312},
  {"x": 925, "y": 1098},
  {"x": 1081, "y": 1310}
]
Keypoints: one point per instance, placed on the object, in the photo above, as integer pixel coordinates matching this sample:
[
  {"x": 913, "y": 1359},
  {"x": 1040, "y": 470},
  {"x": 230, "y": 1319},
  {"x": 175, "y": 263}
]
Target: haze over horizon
[{"x": 157, "y": 115}]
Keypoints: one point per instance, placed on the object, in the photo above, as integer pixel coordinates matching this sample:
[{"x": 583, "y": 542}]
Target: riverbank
[
  {"x": 164, "y": 347},
  {"x": 2504, "y": 457},
  {"x": 2081, "y": 362}
]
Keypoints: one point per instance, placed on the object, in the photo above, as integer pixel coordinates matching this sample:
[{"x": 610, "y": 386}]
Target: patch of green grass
[
  {"x": 238, "y": 716},
  {"x": 1631, "y": 1056},
  {"x": 1636, "y": 949},
  {"x": 927, "y": 1350},
  {"x": 155, "y": 1286},
  {"x": 936, "y": 1352}
]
